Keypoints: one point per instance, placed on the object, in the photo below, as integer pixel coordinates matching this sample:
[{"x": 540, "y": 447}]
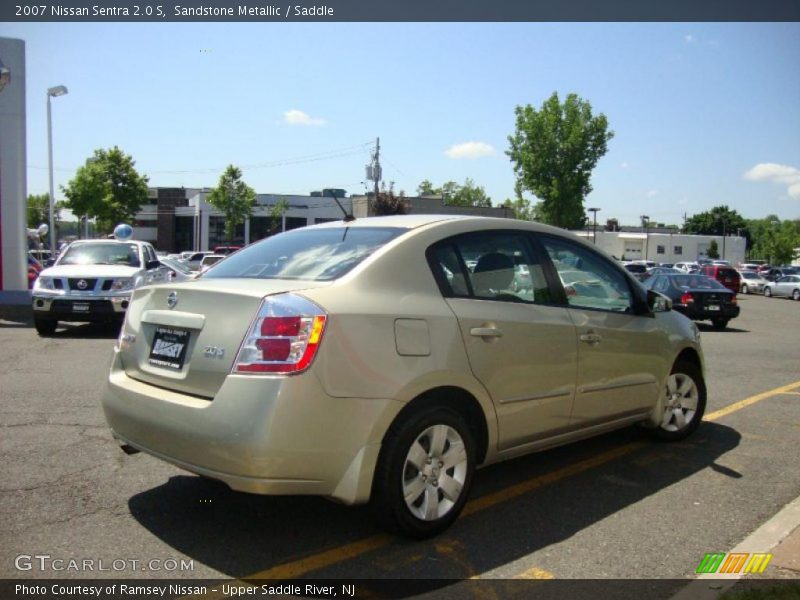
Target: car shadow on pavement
[
  {"x": 86, "y": 331},
  {"x": 242, "y": 534},
  {"x": 728, "y": 329}
]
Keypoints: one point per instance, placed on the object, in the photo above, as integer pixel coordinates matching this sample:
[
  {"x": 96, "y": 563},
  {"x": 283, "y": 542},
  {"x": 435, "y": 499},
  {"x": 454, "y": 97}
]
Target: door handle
[
  {"x": 486, "y": 332},
  {"x": 591, "y": 338}
]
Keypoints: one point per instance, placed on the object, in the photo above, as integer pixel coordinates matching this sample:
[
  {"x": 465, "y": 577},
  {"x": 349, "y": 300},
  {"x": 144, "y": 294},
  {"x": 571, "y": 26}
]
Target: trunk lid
[{"x": 185, "y": 337}]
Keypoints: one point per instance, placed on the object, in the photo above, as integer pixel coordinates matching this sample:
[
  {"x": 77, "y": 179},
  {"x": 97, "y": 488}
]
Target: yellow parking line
[
  {"x": 751, "y": 400},
  {"x": 339, "y": 554},
  {"x": 535, "y": 573}
]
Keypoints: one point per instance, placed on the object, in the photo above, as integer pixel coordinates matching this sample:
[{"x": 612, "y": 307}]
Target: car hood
[{"x": 106, "y": 271}]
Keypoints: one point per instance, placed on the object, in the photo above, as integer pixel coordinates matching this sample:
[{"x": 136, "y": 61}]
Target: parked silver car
[
  {"x": 751, "y": 282},
  {"x": 366, "y": 361},
  {"x": 788, "y": 285}
]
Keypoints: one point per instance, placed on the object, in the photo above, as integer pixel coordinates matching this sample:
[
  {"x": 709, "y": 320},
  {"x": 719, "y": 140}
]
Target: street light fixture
[
  {"x": 52, "y": 92},
  {"x": 594, "y": 227}
]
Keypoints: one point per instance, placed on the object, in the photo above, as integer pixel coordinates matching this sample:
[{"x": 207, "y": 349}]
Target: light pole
[
  {"x": 646, "y": 224},
  {"x": 594, "y": 226},
  {"x": 52, "y": 92}
]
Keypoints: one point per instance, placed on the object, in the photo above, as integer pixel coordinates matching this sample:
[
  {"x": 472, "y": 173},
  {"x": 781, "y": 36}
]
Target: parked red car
[
  {"x": 727, "y": 276},
  {"x": 34, "y": 268}
]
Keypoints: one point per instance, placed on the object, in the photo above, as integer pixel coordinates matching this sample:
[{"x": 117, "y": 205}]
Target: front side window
[
  {"x": 490, "y": 265},
  {"x": 589, "y": 280},
  {"x": 313, "y": 254}
]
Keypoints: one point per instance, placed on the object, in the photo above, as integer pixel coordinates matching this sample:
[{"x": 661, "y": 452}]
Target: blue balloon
[{"x": 123, "y": 232}]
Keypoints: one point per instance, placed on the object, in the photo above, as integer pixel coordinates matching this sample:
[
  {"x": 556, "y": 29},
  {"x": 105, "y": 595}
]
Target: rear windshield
[
  {"x": 312, "y": 254},
  {"x": 696, "y": 282}
]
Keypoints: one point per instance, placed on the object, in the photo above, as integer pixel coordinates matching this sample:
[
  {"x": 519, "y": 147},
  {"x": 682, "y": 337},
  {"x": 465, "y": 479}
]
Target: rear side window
[
  {"x": 312, "y": 254},
  {"x": 490, "y": 265}
]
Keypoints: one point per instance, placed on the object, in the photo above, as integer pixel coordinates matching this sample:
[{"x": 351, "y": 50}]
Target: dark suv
[{"x": 727, "y": 276}]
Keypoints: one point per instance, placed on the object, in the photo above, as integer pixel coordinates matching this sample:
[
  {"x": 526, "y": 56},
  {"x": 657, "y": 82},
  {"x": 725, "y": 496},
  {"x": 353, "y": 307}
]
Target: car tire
[
  {"x": 768, "y": 292},
  {"x": 684, "y": 403},
  {"x": 45, "y": 327},
  {"x": 745, "y": 289},
  {"x": 410, "y": 494},
  {"x": 720, "y": 323},
  {"x": 796, "y": 295}
]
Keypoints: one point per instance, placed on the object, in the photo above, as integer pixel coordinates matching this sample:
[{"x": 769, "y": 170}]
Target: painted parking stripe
[{"x": 326, "y": 558}]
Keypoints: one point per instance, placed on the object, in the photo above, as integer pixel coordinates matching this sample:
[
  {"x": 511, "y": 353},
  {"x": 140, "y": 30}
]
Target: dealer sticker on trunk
[{"x": 169, "y": 348}]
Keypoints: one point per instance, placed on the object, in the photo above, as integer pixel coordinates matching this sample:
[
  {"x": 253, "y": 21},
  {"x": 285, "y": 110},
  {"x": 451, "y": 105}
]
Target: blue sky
[{"x": 704, "y": 113}]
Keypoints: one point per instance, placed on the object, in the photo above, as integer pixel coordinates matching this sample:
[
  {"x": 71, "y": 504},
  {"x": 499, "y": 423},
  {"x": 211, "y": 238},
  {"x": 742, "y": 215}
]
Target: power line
[{"x": 331, "y": 154}]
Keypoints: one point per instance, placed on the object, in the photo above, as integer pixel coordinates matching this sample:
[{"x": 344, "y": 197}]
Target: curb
[{"x": 780, "y": 535}]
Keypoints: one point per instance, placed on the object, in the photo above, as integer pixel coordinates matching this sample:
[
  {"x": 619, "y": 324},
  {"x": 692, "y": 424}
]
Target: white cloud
[
  {"x": 652, "y": 193},
  {"x": 624, "y": 165},
  {"x": 298, "y": 117},
  {"x": 775, "y": 173},
  {"x": 689, "y": 38},
  {"x": 469, "y": 150}
]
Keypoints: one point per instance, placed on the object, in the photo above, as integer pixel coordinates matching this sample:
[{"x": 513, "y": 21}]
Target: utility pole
[
  {"x": 376, "y": 165},
  {"x": 594, "y": 226},
  {"x": 646, "y": 225}
]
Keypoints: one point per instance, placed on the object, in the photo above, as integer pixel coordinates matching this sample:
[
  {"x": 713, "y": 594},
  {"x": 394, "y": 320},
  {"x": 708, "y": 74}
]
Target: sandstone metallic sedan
[{"x": 384, "y": 359}]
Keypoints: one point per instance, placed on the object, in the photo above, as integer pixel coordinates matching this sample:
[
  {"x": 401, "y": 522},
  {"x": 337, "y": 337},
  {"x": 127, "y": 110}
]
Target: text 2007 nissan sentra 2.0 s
[{"x": 384, "y": 359}]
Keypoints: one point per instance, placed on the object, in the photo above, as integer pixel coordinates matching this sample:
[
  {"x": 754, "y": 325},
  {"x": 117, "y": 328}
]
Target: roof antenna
[{"x": 347, "y": 216}]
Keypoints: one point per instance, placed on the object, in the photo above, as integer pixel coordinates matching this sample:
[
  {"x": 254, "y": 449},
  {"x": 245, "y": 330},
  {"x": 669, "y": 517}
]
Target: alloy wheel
[{"x": 680, "y": 403}]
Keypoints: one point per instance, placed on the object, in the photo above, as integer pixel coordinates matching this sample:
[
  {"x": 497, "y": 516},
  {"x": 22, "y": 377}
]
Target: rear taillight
[
  {"x": 687, "y": 298},
  {"x": 733, "y": 299},
  {"x": 283, "y": 338}
]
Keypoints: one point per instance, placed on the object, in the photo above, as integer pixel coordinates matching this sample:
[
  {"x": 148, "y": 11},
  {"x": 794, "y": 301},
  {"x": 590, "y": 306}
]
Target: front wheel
[
  {"x": 684, "y": 398},
  {"x": 796, "y": 295},
  {"x": 745, "y": 289},
  {"x": 45, "y": 327},
  {"x": 768, "y": 292},
  {"x": 424, "y": 472}
]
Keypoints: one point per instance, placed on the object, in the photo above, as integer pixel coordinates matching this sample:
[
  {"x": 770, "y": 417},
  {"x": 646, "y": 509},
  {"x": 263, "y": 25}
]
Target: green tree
[
  {"x": 234, "y": 199},
  {"x": 713, "y": 249},
  {"x": 107, "y": 188},
  {"x": 554, "y": 151},
  {"x": 774, "y": 240},
  {"x": 387, "y": 203},
  {"x": 720, "y": 220},
  {"x": 38, "y": 210},
  {"x": 455, "y": 194}
]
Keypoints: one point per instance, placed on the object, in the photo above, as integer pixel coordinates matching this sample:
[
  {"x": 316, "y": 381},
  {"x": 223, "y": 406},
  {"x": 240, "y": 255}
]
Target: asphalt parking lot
[{"x": 617, "y": 506}]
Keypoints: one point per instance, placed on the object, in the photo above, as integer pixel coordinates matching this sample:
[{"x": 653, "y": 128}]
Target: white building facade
[{"x": 666, "y": 247}]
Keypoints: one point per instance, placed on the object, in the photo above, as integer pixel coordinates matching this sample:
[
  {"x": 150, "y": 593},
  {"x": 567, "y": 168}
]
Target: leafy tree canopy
[
  {"x": 234, "y": 199},
  {"x": 455, "y": 194},
  {"x": 774, "y": 240},
  {"x": 720, "y": 220},
  {"x": 389, "y": 203},
  {"x": 554, "y": 150},
  {"x": 713, "y": 250},
  {"x": 107, "y": 188},
  {"x": 38, "y": 210}
]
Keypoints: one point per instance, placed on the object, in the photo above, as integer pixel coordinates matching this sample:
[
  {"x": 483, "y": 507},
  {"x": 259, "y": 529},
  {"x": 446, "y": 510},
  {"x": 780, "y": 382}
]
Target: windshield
[
  {"x": 314, "y": 254},
  {"x": 110, "y": 253}
]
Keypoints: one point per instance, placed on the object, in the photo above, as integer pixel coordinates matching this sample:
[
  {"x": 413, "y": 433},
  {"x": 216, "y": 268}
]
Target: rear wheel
[
  {"x": 45, "y": 326},
  {"x": 796, "y": 295},
  {"x": 684, "y": 403},
  {"x": 768, "y": 292},
  {"x": 720, "y": 323},
  {"x": 424, "y": 472}
]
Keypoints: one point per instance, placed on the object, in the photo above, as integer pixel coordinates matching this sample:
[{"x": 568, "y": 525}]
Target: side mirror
[
  {"x": 658, "y": 302},
  {"x": 152, "y": 264}
]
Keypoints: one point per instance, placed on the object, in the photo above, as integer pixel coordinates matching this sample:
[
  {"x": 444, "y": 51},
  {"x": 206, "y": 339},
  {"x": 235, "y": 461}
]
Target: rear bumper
[
  {"x": 701, "y": 314},
  {"x": 265, "y": 435}
]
